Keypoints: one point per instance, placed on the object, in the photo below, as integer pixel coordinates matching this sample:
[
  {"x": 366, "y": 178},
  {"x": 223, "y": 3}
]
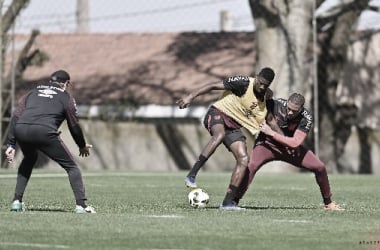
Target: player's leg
[
  {"x": 23, "y": 175},
  {"x": 259, "y": 156},
  {"x": 312, "y": 163},
  {"x": 215, "y": 125},
  {"x": 25, "y": 138},
  {"x": 57, "y": 151},
  {"x": 236, "y": 142}
]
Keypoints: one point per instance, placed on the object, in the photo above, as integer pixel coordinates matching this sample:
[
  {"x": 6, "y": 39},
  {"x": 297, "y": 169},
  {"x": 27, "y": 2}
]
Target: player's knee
[
  {"x": 243, "y": 160},
  {"x": 253, "y": 166},
  {"x": 31, "y": 159},
  {"x": 319, "y": 168}
]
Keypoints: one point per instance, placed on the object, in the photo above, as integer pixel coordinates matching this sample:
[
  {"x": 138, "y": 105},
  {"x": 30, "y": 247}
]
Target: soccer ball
[{"x": 198, "y": 198}]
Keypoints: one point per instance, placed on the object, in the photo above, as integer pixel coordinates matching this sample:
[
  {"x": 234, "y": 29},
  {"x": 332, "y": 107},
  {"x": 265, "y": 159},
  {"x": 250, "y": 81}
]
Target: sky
[
  {"x": 117, "y": 16},
  {"x": 135, "y": 15}
]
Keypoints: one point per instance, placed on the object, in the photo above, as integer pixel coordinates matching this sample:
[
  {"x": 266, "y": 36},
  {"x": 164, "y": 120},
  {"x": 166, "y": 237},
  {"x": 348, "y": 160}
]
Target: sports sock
[
  {"x": 198, "y": 164},
  {"x": 230, "y": 195},
  {"x": 17, "y": 197},
  {"x": 327, "y": 200},
  {"x": 81, "y": 203}
]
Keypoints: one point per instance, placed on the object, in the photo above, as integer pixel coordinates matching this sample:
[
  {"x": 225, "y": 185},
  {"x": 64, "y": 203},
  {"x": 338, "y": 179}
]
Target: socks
[
  {"x": 327, "y": 200},
  {"x": 198, "y": 164},
  {"x": 81, "y": 203},
  {"x": 17, "y": 197},
  {"x": 230, "y": 195}
]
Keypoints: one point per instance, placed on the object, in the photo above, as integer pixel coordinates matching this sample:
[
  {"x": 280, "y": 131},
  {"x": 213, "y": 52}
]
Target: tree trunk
[
  {"x": 7, "y": 20},
  {"x": 331, "y": 62},
  {"x": 359, "y": 87},
  {"x": 365, "y": 163},
  {"x": 12, "y": 12},
  {"x": 283, "y": 31},
  {"x": 173, "y": 141}
]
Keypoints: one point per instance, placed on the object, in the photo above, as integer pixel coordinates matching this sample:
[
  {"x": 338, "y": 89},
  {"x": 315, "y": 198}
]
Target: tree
[
  {"x": 283, "y": 32},
  {"x": 25, "y": 58},
  {"x": 336, "y": 120}
]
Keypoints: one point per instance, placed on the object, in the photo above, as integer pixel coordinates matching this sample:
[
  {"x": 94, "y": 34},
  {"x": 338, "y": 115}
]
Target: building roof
[
  {"x": 138, "y": 69},
  {"x": 133, "y": 69}
]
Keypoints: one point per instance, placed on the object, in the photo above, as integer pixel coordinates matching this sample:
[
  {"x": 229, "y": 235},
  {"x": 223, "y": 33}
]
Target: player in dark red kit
[
  {"x": 34, "y": 126},
  {"x": 295, "y": 123}
]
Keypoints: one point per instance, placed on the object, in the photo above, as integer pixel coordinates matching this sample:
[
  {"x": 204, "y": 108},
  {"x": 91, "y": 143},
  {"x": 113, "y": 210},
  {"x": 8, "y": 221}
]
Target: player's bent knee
[
  {"x": 243, "y": 160},
  {"x": 319, "y": 169}
]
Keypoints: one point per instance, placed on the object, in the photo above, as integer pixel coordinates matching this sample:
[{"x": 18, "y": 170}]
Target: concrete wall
[{"x": 137, "y": 147}]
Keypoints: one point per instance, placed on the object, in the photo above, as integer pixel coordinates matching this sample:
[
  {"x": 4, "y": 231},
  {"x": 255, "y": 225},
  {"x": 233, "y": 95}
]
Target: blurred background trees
[{"x": 316, "y": 50}]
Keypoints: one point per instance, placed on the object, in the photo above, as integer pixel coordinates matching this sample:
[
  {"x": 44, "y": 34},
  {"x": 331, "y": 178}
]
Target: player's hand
[
  {"x": 184, "y": 102},
  {"x": 10, "y": 153},
  {"x": 291, "y": 151},
  {"x": 85, "y": 151},
  {"x": 266, "y": 129}
]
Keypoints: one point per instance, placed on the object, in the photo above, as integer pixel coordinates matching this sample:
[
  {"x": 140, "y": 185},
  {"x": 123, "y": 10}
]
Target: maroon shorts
[{"x": 232, "y": 128}]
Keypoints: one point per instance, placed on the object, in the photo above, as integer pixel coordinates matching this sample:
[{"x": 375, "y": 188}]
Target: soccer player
[
  {"x": 295, "y": 122},
  {"x": 34, "y": 126},
  {"x": 243, "y": 104}
]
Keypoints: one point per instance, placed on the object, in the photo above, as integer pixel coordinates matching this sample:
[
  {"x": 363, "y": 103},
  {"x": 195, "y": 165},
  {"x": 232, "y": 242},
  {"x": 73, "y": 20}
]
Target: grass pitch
[{"x": 150, "y": 211}]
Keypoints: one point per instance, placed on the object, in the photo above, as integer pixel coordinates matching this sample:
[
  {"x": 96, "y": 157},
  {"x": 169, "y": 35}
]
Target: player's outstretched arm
[
  {"x": 296, "y": 140},
  {"x": 185, "y": 101},
  {"x": 273, "y": 124}
]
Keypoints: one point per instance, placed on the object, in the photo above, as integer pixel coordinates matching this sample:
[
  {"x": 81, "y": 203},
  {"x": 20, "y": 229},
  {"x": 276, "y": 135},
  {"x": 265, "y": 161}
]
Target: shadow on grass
[
  {"x": 269, "y": 208},
  {"x": 282, "y": 208},
  {"x": 38, "y": 209}
]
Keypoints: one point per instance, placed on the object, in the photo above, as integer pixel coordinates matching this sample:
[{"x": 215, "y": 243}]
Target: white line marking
[
  {"x": 165, "y": 216},
  {"x": 293, "y": 221},
  {"x": 20, "y": 244},
  {"x": 47, "y": 175}
]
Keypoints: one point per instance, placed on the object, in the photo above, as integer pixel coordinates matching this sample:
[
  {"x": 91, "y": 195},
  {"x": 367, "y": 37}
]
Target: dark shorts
[{"x": 232, "y": 129}]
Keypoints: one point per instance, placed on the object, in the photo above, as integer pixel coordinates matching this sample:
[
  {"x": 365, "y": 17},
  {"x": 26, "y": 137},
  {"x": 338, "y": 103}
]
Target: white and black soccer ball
[{"x": 198, "y": 198}]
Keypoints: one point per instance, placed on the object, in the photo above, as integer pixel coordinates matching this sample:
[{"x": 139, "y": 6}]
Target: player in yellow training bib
[{"x": 243, "y": 104}]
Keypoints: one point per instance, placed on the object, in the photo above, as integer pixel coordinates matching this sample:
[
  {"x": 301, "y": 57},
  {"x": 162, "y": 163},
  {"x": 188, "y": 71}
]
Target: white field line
[
  {"x": 293, "y": 221},
  {"x": 160, "y": 249},
  {"x": 170, "y": 216},
  {"x": 47, "y": 175},
  {"x": 28, "y": 245}
]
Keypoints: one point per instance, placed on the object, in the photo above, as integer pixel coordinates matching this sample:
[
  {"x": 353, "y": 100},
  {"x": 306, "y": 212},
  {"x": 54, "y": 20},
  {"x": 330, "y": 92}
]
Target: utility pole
[
  {"x": 82, "y": 15},
  {"x": 7, "y": 85},
  {"x": 225, "y": 21},
  {"x": 7, "y": 88},
  {"x": 315, "y": 83},
  {"x": 1, "y": 80}
]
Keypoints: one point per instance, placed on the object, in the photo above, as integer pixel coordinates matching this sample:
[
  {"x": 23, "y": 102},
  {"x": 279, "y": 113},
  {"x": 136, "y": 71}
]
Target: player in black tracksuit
[{"x": 34, "y": 126}]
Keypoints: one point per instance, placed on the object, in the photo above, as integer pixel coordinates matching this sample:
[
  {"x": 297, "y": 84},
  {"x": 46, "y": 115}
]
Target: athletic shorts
[{"x": 232, "y": 129}]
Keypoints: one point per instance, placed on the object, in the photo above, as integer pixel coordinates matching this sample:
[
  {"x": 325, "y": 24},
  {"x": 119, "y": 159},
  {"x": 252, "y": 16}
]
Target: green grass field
[{"x": 150, "y": 211}]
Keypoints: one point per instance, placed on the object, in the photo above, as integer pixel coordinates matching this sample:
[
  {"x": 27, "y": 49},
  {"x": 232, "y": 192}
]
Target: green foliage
[{"x": 150, "y": 211}]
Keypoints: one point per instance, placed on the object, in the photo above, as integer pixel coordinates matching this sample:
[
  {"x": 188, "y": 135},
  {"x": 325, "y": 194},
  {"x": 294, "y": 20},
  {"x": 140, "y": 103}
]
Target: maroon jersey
[{"x": 303, "y": 121}]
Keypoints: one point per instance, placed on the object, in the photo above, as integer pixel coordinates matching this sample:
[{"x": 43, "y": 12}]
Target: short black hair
[
  {"x": 267, "y": 73},
  {"x": 297, "y": 99},
  {"x": 60, "y": 76}
]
